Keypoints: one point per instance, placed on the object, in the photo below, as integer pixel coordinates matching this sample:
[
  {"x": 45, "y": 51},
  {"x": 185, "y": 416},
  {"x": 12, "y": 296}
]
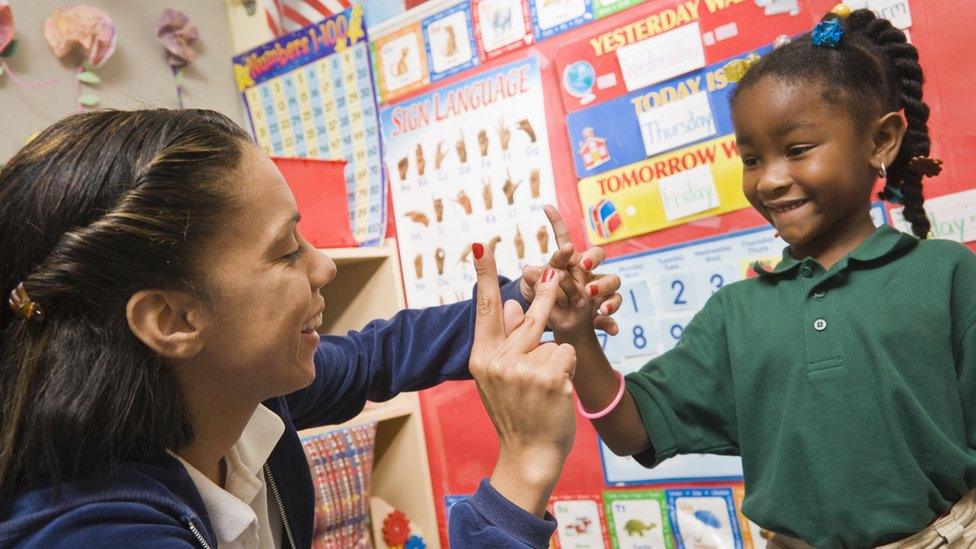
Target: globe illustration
[{"x": 578, "y": 78}]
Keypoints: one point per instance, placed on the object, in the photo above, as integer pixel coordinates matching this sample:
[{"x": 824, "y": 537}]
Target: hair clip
[
  {"x": 925, "y": 166},
  {"x": 827, "y": 33},
  {"x": 736, "y": 70},
  {"x": 841, "y": 10},
  {"x": 23, "y": 306}
]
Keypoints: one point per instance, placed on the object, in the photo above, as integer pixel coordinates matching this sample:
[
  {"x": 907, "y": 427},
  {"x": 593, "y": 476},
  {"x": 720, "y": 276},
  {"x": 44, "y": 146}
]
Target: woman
[{"x": 160, "y": 350}]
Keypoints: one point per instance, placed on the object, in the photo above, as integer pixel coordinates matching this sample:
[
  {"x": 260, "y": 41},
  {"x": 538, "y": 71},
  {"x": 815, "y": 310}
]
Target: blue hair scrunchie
[{"x": 827, "y": 33}]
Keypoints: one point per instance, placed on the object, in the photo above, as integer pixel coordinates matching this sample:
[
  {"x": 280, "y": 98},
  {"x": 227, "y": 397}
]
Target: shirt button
[
  {"x": 820, "y": 325},
  {"x": 819, "y": 294},
  {"x": 807, "y": 272}
]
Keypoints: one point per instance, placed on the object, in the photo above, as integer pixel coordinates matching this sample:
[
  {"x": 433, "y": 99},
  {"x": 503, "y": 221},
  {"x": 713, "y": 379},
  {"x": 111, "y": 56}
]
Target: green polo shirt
[{"x": 850, "y": 393}]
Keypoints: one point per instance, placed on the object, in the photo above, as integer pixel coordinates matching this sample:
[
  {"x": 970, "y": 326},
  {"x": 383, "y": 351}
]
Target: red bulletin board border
[{"x": 455, "y": 420}]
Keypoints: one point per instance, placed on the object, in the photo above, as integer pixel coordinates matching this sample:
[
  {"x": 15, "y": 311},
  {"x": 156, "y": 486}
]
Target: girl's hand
[
  {"x": 586, "y": 300},
  {"x": 526, "y": 387}
]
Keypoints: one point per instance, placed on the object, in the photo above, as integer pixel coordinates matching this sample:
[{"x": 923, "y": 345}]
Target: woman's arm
[{"x": 416, "y": 349}]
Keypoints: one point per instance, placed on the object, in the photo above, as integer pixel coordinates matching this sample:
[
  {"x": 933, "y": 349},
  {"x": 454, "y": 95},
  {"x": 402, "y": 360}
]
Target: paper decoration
[
  {"x": 6, "y": 28},
  {"x": 81, "y": 27},
  {"x": 492, "y": 125},
  {"x": 450, "y": 42},
  {"x": 401, "y": 62},
  {"x": 704, "y": 518},
  {"x": 551, "y": 17},
  {"x": 310, "y": 94},
  {"x": 502, "y": 26},
  {"x": 897, "y": 11},
  {"x": 177, "y": 34},
  {"x": 638, "y": 519}
]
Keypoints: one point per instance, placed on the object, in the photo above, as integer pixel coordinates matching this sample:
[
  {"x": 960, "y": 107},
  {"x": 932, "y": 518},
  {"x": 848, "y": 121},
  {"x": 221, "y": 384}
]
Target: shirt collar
[
  {"x": 884, "y": 241},
  {"x": 231, "y": 507}
]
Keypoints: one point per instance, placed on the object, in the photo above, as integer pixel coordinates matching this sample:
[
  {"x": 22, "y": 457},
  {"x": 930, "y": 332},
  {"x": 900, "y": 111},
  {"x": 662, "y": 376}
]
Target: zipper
[
  {"x": 281, "y": 506},
  {"x": 196, "y": 534}
]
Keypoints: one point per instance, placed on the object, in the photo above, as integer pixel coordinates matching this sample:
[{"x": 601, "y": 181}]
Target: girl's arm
[{"x": 596, "y": 386}]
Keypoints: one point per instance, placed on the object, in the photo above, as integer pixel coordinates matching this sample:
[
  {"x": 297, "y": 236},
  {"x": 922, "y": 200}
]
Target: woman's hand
[
  {"x": 586, "y": 300},
  {"x": 526, "y": 387}
]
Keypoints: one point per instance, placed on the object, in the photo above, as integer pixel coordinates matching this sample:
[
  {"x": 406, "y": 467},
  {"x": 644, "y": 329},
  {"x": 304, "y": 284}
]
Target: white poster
[
  {"x": 470, "y": 163},
  {"x": 661, "y": 57},
  {"x": 953, "y": 216}
]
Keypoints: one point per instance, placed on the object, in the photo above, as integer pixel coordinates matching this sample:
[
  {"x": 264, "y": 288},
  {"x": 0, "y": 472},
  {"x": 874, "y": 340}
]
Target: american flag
[{"x": 285, "y": 16}]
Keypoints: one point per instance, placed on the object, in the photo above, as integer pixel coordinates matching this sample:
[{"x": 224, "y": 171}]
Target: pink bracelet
[{"x": 613, "y": 403}]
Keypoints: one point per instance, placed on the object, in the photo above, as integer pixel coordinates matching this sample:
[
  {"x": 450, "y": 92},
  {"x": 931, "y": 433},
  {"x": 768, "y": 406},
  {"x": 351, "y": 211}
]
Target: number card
[
  {"x": 638, "y": 519},
  {"x": 704, "y": 518},
  {"x": 309, "y": 94}
]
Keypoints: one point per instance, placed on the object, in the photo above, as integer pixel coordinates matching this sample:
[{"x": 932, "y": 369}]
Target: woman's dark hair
[
  {"x": 96, "y": 207},
  {"x": 874, "y": 70}
]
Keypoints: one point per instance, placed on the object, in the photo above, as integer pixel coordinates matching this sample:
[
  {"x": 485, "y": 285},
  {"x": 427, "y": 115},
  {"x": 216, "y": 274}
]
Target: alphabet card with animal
[
  {"x": 503, "y": 26},
  {"x": 581, "y": 522},
  {"x": 402, "y": 62},
  {"x": 450, "y": 41},
  {"x": 637, "y": 519}
]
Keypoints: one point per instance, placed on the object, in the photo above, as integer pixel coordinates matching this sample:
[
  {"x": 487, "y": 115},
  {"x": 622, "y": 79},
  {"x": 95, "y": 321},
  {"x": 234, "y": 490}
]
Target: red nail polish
[
  {"x": 609, "y": 308},
  {"x": 547, "y": 276},
  {"x": 478, "y": 249},
  {"x": 587, "y": 264},
  {"x": 593, "y": 291}
]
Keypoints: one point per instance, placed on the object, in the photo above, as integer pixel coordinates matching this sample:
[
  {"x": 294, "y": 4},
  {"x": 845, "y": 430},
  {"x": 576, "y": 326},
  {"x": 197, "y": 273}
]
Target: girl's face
[
  {"x": 265, "y": 281},
  {"x": 806, "y": 168}
]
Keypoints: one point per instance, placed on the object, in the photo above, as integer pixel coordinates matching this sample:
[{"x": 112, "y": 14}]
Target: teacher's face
[{"x": 265, "y": 280}]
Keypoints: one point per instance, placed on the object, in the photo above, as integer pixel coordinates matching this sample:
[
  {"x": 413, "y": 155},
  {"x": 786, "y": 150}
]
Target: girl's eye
[
  {"x": 797, "y": 150},
  {"x": 750, "y": 161}
]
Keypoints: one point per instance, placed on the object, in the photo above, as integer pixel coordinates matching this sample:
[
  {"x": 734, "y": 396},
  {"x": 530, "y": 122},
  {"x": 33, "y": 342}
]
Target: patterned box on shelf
[{"x": 341, "y": 463}]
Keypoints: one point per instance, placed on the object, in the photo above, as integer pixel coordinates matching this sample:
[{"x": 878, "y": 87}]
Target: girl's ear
[{"x": 887, "y": 133}]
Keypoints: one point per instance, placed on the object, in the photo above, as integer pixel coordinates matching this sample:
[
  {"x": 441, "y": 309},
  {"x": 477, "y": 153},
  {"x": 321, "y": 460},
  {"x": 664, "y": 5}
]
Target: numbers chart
[{"x": 309, "y": 94}]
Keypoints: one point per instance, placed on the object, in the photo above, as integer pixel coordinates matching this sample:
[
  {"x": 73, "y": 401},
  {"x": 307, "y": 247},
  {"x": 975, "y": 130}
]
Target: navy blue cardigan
[{"x": 155, "y": 503}]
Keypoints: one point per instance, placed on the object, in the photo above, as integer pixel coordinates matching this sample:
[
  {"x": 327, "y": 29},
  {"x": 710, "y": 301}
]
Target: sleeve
[
  {"x": 128, "y": 525},
  {"x": 416, "y": 349},
  {"x": 963, "y": 313},
  {"x": 488, "y": 519},
  {"x": 685, "y": 396}
]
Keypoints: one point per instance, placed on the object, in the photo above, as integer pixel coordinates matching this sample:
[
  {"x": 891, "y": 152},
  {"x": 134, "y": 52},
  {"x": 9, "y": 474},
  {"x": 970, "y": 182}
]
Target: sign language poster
[{"x": 470, "y": 162}]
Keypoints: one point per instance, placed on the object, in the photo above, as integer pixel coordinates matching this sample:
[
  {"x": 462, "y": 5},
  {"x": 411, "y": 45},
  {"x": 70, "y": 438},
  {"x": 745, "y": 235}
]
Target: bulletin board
[{"x": 618, "y": 77}]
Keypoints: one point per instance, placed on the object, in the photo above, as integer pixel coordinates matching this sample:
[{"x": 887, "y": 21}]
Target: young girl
[
  {"x": 845, "y": 377},
  {"x": 159, "y": 353}
]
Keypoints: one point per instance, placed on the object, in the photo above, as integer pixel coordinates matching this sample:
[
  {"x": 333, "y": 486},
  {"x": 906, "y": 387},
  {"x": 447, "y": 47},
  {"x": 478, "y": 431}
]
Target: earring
[{"x": 882, "y": 172}]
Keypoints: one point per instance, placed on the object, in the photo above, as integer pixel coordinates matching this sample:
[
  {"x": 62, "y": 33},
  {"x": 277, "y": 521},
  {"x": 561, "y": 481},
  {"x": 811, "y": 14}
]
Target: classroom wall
[{"x": 136, "y": 76}]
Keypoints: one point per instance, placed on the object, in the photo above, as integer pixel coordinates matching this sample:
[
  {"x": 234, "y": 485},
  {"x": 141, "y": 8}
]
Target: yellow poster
[{"x": 663, "y": 191}]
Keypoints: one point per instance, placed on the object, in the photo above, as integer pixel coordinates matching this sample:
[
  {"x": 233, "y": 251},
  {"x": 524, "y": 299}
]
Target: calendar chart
[{"x": 309, "y": 94}]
